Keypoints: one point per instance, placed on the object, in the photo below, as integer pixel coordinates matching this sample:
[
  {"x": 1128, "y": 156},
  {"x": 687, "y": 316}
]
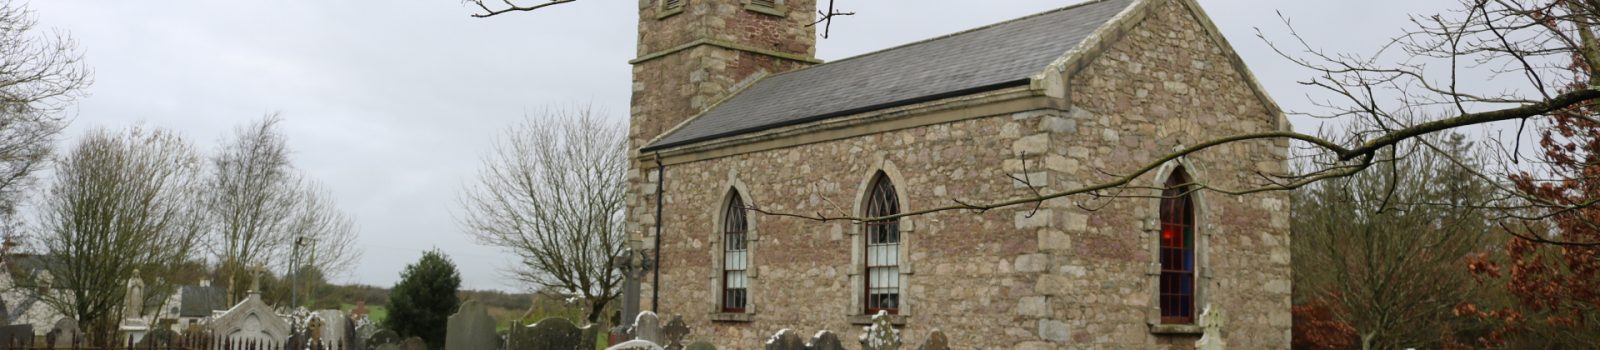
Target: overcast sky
[{"x": 390, "y": 104}]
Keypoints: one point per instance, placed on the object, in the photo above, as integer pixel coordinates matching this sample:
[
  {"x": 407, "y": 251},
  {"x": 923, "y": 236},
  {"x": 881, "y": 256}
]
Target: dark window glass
[{"x": 1177, "y": 251}]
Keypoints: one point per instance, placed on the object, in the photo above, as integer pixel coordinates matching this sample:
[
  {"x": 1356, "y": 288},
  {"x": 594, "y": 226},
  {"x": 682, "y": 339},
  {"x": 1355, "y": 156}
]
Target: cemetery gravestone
[
  {"x": 674, "y": 333},
  {"x": 636, "y": 344},
  {"x": 161, "y": 337},
  {"x": 16, "y": 335},
  {"x": 936, "y": 341},
  {"x": 785, "y": 339},
  {"x": 549, "y": 334},
  {"x": 701, "y": 345},
  {"x": 647, "y": 327},
  {"x": 252, "y": 319},
  {"x": 1211, "y": 321},
  {"x": 470, "y": 328},
  {"x": 65, "y": 334},
  {"x": 826, "y": 340},
  {"x": 381, "y": 338},
  {"x": 881, "y": 335},
  {"x": 414, "y": 343}
]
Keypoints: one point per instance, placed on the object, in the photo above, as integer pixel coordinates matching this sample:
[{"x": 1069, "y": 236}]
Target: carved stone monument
[
  {"x": 785, "y": 339},
  {"x": 252, "y": 319},
  {"x": 470, "y": 328},
  {"x": 881, "y": 335},
  {"x": 1211, "y": 320},
  {"x": 65, "y": 334},
  {"x": 647, "y": 327},
  {"x": 549, "y": 334},
  {"x": 826, "y": 340},
  {"x": 936, "y": 341}
]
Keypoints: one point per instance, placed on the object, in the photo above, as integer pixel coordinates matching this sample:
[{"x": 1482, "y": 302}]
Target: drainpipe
[{"x": 655, "y": 290}]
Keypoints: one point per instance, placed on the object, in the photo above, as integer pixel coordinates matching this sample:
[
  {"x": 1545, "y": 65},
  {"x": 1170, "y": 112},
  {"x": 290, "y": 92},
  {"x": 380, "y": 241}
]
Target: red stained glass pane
[{"x": 1177, "y": 251}]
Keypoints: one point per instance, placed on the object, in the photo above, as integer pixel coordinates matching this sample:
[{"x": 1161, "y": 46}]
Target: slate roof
[
  {"x": 199, "y": 301},
  {"x": 987, "y": 58}
]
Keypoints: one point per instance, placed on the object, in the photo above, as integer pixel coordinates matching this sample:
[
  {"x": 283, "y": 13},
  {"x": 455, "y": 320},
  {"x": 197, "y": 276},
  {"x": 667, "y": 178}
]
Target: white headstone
[{"x": 647, "y": 327}]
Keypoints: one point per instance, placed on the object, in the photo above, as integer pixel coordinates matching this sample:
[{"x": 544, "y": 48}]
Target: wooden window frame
[
  {"x": 735, "y": 230},
  {"x": 882, "y": 200}
]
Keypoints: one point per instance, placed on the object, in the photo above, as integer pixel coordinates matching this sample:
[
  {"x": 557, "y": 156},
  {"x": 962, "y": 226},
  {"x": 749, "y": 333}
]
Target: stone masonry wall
[
  {"x": 1063, "y": 277},
  {"x": 969, "y": 271},
  {"x": 1166, "y": 83},
  {"x": 669, "y": 87}
]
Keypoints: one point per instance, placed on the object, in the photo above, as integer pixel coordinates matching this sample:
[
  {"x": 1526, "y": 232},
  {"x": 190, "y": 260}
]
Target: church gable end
[{"x": 1168, "y": 80}]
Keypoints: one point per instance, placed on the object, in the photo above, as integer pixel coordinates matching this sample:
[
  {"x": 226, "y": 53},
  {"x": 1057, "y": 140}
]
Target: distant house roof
[
  {"x": 987, "y": 58},
  {"x": 30, "y": 263},
  {"x": 200, "y": 301}
]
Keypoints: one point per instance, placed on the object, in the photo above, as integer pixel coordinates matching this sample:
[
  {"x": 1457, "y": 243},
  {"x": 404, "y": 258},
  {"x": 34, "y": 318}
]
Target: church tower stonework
[{"x": 693, "y": 53}]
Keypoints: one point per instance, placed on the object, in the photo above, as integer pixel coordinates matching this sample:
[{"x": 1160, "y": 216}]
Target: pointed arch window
[
  {"x": 1177, "y": 251},
  {"x": 883, "y": 248},
  {"x": 735, "y": 255}
]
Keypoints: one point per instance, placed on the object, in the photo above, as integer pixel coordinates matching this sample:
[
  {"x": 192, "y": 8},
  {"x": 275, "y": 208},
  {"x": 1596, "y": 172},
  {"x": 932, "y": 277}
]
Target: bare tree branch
[{"x": 552, "y": 194}]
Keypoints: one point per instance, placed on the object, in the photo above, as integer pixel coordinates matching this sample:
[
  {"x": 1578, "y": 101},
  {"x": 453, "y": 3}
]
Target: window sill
[
  {"x": 668, "y": 12},
  {"x": 897, "y": 320},
  {"x": 779, "y": 11},
  {"x": 732, "y": 317},
  {"x": 1176, "y": 329}
]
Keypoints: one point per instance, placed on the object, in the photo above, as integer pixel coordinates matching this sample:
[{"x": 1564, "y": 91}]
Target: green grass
[
  {"x": 502, "y": 316},
  {"x": 376, "y": 313}
]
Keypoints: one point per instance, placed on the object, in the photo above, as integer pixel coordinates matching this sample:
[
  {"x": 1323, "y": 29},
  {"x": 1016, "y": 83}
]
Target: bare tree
[
  {"x": 265, "y": 212},
  {"x": 325, "y": 238},
  {"x": 121, "y": 205},
  {"x": 552, "y": 194},
  {"x": 1393, "y": 269},
  {"x": 40, "y": 75}
]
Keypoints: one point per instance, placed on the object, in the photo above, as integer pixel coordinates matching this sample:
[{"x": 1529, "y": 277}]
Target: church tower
[{"x": 693, "y": 53}]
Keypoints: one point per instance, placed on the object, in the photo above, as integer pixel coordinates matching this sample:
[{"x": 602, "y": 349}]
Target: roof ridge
[{"x": 969, "y": 30}]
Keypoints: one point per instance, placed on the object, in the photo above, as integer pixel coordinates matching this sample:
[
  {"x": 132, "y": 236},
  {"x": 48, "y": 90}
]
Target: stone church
[{"x": 732, "y": 111}]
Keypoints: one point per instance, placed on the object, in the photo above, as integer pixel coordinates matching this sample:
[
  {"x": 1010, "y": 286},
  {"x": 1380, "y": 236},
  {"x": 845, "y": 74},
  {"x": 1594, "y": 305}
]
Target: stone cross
[
  {"x": 1211, "y": 320},
  {"x": 255, "y": 280},
  {"x": 674, "y": 333},
  {"x": 633, "y": 266}
]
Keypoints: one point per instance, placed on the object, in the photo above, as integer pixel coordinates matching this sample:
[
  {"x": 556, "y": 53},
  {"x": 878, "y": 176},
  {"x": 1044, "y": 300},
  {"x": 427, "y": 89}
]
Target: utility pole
[{"x": 294, "y": 272}]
